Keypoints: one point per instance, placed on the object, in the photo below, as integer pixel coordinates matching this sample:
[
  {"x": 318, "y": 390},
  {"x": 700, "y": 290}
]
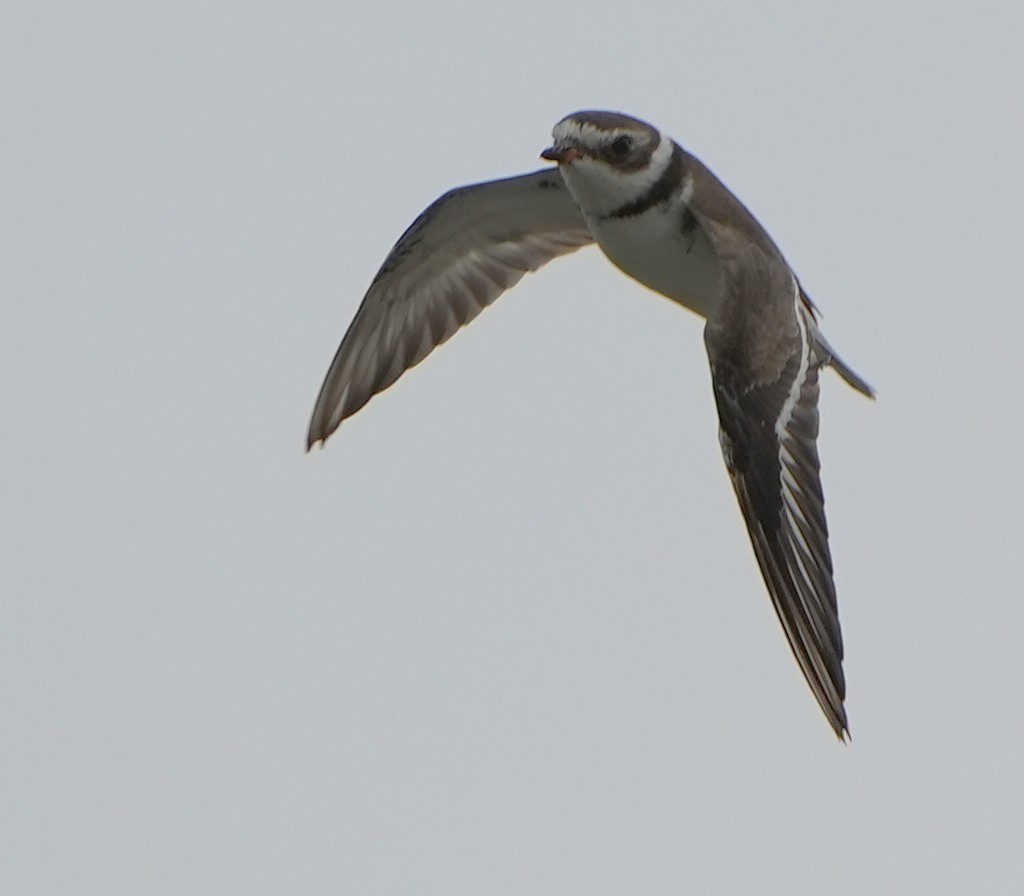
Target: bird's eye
[{"x": 621, "y": 146}]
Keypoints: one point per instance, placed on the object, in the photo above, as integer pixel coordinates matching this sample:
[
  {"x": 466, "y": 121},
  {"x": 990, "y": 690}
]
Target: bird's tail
[{"x": 828, "y": 356}]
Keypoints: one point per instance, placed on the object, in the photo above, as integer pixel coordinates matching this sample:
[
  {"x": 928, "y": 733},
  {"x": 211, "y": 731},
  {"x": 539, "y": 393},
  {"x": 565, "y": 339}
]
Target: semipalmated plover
[{"x": 664, "y": 219}]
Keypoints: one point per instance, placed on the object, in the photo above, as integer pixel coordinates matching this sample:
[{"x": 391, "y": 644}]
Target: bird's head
[{"x": 607, "y": 159}]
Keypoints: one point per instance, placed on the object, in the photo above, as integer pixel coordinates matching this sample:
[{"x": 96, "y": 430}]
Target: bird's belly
[{"x": 653, "y": 250}]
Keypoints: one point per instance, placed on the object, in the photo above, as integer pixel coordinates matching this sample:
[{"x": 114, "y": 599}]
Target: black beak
[{"x": 562, "y": 156}]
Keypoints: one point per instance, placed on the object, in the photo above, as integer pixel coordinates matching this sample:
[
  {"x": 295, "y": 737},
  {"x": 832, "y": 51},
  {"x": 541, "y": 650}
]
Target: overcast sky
[{"x": 505, "y": 634}]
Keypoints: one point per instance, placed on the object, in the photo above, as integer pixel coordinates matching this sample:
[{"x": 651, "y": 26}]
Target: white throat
[{"x": 599, "y": 188}]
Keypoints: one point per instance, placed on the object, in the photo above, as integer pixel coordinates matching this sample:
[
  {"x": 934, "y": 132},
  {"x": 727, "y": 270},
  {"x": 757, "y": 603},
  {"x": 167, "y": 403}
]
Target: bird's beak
[{"x": 562, "y": 156}]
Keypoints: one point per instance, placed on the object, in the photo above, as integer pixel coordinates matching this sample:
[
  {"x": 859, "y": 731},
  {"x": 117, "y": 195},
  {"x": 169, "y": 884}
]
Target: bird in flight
[{"x": 663, "y": 218}]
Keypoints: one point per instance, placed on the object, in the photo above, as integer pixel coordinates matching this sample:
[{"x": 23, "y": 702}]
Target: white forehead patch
[{"x": 568, "y": 130}]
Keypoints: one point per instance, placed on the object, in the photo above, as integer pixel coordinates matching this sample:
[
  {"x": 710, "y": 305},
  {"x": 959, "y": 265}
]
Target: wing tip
[
  {"x": 318, "y": 435},
  {"x": 328, "y": 415},
  {"x": 320, "y": 431},
  {"x": 833, "y": 705},
  {"x": 835, "y": 715},
  {"x": 841, "y": 728}
]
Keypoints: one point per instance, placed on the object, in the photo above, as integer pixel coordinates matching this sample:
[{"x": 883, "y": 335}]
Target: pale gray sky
[{"x": 505, "y": 634}]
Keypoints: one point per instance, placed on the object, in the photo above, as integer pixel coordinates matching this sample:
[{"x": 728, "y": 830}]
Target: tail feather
[{"x": 828, "y": 356}]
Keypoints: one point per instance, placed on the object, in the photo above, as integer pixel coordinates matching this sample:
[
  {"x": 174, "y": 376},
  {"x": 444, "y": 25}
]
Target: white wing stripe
[{"x": 795, "y": 389}]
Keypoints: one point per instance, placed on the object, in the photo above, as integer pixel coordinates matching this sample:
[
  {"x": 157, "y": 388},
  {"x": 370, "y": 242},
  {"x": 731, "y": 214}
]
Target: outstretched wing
[
  {"x": 761, "y": 342},
  {"x": 456, "y": 258}
]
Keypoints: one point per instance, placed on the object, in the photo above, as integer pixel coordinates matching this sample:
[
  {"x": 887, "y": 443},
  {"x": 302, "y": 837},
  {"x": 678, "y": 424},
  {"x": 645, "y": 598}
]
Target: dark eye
[{"x": 621, "y": 146}]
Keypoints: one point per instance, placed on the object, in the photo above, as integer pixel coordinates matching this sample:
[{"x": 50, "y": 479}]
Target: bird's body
[
  {"x": 664, "y": 219},
  {"x": 686, "y": 273}
]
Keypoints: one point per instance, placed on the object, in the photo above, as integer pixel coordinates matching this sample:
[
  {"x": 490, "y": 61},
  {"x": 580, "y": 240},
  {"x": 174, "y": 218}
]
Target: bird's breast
[{"x": 661, "y": 252}]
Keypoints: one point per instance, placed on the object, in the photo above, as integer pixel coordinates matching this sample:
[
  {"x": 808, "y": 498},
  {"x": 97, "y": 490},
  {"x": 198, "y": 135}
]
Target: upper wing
[
  {"x": 761, "y": 341},
  {"x": 456, "y": 258}
]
